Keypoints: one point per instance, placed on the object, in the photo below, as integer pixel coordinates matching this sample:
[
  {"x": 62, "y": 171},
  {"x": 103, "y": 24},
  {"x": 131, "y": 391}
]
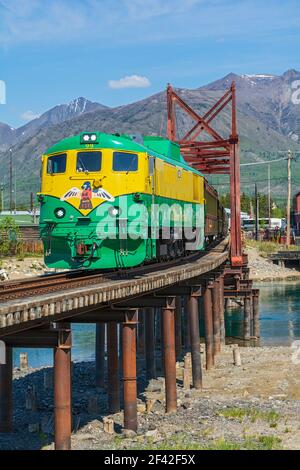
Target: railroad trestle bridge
[
  {"x": 172, "y": 296},
  {"x": 156, "y": 303}
]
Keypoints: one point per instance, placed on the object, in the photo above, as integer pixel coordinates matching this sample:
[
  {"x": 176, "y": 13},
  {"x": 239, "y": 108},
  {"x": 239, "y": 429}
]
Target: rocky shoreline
[
  {"x": 263, "y": 270},
  {"x": 254, "y": 406}
]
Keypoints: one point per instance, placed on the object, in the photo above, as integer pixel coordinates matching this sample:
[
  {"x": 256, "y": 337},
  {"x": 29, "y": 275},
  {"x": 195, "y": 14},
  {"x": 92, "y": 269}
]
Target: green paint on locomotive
[{"x": 112, "y": 244}]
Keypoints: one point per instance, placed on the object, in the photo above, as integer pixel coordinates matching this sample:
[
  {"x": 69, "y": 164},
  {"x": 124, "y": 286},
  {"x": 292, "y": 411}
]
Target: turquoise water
[
  {"x": 83, "y": 349},
  {"x": 279, "y": 313}
]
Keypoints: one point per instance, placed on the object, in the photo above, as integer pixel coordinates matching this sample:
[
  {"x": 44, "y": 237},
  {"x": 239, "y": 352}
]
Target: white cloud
[
  {"x": 130, "y": 81},
  {"x": 29, "y": 115}
]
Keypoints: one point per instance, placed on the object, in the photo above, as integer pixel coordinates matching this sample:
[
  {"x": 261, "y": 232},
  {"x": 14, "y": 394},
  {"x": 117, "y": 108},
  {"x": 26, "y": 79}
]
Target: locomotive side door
[{"x": 151, "y": 161}]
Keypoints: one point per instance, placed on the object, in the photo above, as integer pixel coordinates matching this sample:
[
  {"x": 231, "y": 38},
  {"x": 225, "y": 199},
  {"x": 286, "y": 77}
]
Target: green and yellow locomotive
[{"x": 117, "y": 201}]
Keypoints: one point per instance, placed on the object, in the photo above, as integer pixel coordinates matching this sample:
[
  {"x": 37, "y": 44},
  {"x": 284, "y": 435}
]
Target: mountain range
[{"x": 268, "y": 122}]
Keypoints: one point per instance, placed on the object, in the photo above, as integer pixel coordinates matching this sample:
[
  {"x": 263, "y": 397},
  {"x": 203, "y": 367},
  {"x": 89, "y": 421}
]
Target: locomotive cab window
[
  {"x": 57, "y": 163},
  {"x": 88, "y": 161},
  {"x": 125, "y": 161}
]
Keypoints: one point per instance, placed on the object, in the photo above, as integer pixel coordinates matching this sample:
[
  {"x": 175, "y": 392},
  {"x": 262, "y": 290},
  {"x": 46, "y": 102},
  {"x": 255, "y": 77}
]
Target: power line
[
  {"x": 253, "y": 182},
  {"x": 263, "y": 163}
]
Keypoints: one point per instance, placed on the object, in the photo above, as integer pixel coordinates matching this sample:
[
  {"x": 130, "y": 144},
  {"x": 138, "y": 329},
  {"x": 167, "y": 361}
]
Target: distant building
[
  {"x": 244, "y": 215},
  {"x": 296, "y": 211}
]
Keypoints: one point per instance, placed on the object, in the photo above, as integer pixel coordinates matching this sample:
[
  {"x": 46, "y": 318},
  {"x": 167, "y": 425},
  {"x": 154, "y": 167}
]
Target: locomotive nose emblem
[{"x": 97, "y": 184}]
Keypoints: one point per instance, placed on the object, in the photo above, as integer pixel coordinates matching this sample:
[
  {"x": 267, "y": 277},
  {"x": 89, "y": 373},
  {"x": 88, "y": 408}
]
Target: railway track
[
  {"x": 10, "y": 290},
  {"x": 48, "y": 283}
]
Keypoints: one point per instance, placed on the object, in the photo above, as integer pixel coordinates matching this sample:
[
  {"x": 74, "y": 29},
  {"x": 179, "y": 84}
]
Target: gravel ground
[
  {"x": 262, "y": 269},
  {"x": 253, "y": 406},
  {"x": 14, "y": 268}
]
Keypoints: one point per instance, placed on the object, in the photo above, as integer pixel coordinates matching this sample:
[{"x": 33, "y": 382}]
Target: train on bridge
[{"x": 118, "y": 201}]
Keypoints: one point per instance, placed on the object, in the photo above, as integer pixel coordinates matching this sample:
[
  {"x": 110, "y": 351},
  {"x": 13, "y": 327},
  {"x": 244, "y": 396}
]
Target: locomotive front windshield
[
  {"x": 88, "y": 161},
  {"x": 125, "y": 161},
  {"x": 57, "y": 163}
]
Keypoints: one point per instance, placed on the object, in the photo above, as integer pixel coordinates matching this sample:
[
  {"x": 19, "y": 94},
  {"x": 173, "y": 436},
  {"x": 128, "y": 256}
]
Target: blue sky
[{"x": 118, "y": 51}]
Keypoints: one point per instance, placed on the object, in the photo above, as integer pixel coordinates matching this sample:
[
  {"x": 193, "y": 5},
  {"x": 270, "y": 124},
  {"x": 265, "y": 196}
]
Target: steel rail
[
  {"x": 30, "y": 309},
  {"x": 44, "y": 284}
]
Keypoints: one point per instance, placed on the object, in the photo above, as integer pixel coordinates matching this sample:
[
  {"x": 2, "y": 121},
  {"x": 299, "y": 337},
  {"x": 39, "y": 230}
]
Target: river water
[{"x": 279, "y": 314}]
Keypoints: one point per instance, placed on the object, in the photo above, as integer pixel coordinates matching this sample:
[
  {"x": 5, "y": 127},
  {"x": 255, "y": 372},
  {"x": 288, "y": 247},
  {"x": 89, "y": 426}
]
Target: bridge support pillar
[
  {"x": 192, "y": 306},
  {"x": 222, "y": 310},
  {"x": 168, "y": 322},
  {"x": 255, "y": 305},
  {"x": 162, "y": 346},
  {"x": 62, "y": 390},
  {"x": 178, "y": 327},
  {"x": 6, "y": 403},
  {"x": 100, "y": 354},
  {"x": 216, "y": 316},
  {"x": 187, "y": 339},
  {"x": 208, "y": 326},
  {"x": 247, "y": 317},
  {"x": 150, "y": 343},
  {"x": 113, "y": 368},
  {"x": 129, "y": 371},
  {"x": 141, "y": 332}
]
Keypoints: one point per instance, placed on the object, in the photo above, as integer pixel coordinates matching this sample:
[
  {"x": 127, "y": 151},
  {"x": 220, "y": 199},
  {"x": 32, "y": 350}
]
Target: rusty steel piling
[
  {"x": 6, "y": 400},
  {"x": 247, "y": 317},
  {"x": 222, "y": 310},
  {"x": 150, "y": 343},
  {"x": 141, "y": 332},
  {"x": 168, "y": 322},
  {"x": 178, "y": 327},
  {"x": 162, "y": 352},
  {"x": 129, "y": 371},
  {"x": 215, "y": 292},
  {"x": 62, "y": 390},
  {"x": 100, "y": 354},
  {"x": 187, "y": 339},
  {"x": 192, "y": 308},
  {"x": 255, "y": 305},
  {"x": 113, "y": 384},
  {"x": 208, "y": 326}
]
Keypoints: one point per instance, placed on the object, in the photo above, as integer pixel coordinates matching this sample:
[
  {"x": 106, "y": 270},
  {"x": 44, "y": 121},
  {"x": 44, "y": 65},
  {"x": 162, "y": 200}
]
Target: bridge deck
[{"x": 24, "y": 313}]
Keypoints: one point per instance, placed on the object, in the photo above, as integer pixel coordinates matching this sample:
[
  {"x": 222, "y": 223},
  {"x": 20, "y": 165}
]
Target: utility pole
[
  {"x": 269, "y": 194},
  {"x": 15, "y": 194},
  {"x": 288, "y": 205},
  {"x": 2, "y": 197},
  {"x": 256, "y": 213},
  {"x": 10, "y": 182}
]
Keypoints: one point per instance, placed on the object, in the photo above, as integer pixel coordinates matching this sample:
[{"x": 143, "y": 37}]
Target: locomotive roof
[{"x": 153, "y": 145}]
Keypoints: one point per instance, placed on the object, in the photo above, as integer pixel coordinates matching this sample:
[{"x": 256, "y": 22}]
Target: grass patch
[
  {"x": 266, "y": 248},
  {"x": 253, "y": 414},
  {"x": 184, "y": 442}
]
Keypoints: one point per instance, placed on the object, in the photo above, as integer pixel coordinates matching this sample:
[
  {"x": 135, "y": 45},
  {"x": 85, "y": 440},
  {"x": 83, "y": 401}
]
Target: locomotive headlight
[
  {"x": 89, "y": 137},
  {"x": 114, "y": 211},
  {"x": 60, "y": 212}
]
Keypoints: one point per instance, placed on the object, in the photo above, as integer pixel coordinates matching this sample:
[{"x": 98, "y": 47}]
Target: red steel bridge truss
[{"x": 213, "y": 154}]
